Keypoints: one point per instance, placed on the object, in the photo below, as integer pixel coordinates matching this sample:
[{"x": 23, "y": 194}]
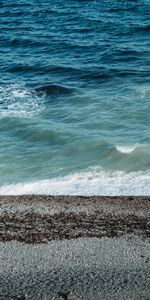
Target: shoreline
[{"x": 40, "y": 219}]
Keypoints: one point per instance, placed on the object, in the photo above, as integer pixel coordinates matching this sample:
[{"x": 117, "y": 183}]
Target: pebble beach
[{"x": 74, "y": 247}]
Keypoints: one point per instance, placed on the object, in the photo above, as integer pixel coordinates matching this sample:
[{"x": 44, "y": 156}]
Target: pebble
[{"x": 71, "y": 297}]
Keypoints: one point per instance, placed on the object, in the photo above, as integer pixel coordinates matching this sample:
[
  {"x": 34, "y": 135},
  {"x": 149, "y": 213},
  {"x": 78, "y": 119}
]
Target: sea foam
[
  {"x": 90, "y": 182},
  {"x": 18, "y": 101}
]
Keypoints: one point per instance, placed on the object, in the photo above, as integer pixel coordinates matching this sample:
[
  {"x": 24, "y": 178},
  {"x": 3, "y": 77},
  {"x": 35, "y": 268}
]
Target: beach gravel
[
  {"x": 90, "y": 268},
  {"x": 88, "y": 248}
]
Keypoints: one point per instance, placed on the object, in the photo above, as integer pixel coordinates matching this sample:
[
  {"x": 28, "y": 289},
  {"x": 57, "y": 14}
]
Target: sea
[{"x": 75, "y": 97}]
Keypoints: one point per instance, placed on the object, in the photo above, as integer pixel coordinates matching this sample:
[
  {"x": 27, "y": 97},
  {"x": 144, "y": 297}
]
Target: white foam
[
  {"x": 126, "y": 149},
  {"x": 90, "y": 182},
  {"x": 18, "y": 101}
]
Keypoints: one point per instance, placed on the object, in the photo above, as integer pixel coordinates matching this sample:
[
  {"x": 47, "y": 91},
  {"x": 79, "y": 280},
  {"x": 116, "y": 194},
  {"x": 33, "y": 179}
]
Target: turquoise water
[{"x": 74, "y": 97}]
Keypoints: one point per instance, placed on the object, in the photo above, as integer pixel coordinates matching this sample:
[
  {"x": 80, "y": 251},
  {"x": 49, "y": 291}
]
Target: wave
[
  {"x": 54, "y": 89},
  {"x": 126, "y": 149},
  {"x": 120, "y": 9},
  {"x": 24, "y": 42},
  {"x": 90, "y": 182},
  {"x": 136, "y": 148},
  {"x": 129, "y": 158},
  {"x": 18, "y": 101},
  {"x": 142, "y": 28},
  {"x": 22, "y": 68}
]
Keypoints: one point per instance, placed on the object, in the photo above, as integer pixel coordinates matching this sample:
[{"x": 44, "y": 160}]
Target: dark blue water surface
[{"x": 74, "y": 97}]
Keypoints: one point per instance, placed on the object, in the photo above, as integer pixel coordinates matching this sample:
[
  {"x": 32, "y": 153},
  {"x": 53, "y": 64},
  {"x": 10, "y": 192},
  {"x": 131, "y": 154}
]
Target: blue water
[{"x": 74, "y": 97}]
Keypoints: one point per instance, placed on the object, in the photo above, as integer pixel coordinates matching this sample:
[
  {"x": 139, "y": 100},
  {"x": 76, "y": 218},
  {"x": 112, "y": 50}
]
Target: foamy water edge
[{"x": 91, "y": 182}]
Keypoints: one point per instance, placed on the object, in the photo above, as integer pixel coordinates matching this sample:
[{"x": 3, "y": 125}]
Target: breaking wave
[
  {"x": 89, "y": 182},
  {"x": 126, "y": 149}
]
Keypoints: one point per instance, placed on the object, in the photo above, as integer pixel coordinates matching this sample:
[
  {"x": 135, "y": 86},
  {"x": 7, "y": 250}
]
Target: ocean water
[{"x": 75, "y": 97}]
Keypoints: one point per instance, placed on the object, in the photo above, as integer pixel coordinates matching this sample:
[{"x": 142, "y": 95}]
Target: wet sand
[{"x": 95, "y": 247}]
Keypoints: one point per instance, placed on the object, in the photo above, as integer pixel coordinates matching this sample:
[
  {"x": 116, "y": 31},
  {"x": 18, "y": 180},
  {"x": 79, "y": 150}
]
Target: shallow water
[{"x": 74, "y": 97}]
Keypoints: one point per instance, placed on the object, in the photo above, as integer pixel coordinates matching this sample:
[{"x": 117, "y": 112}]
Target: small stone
[
  {"x": 71, "y": 297},
  {"x": 147, "y": 260},
  {"x": 27, "y": 297}
]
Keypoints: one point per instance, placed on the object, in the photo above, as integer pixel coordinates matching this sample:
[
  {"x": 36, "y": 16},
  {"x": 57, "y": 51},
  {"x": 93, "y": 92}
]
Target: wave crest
[{"x": 126, "y": 149}]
